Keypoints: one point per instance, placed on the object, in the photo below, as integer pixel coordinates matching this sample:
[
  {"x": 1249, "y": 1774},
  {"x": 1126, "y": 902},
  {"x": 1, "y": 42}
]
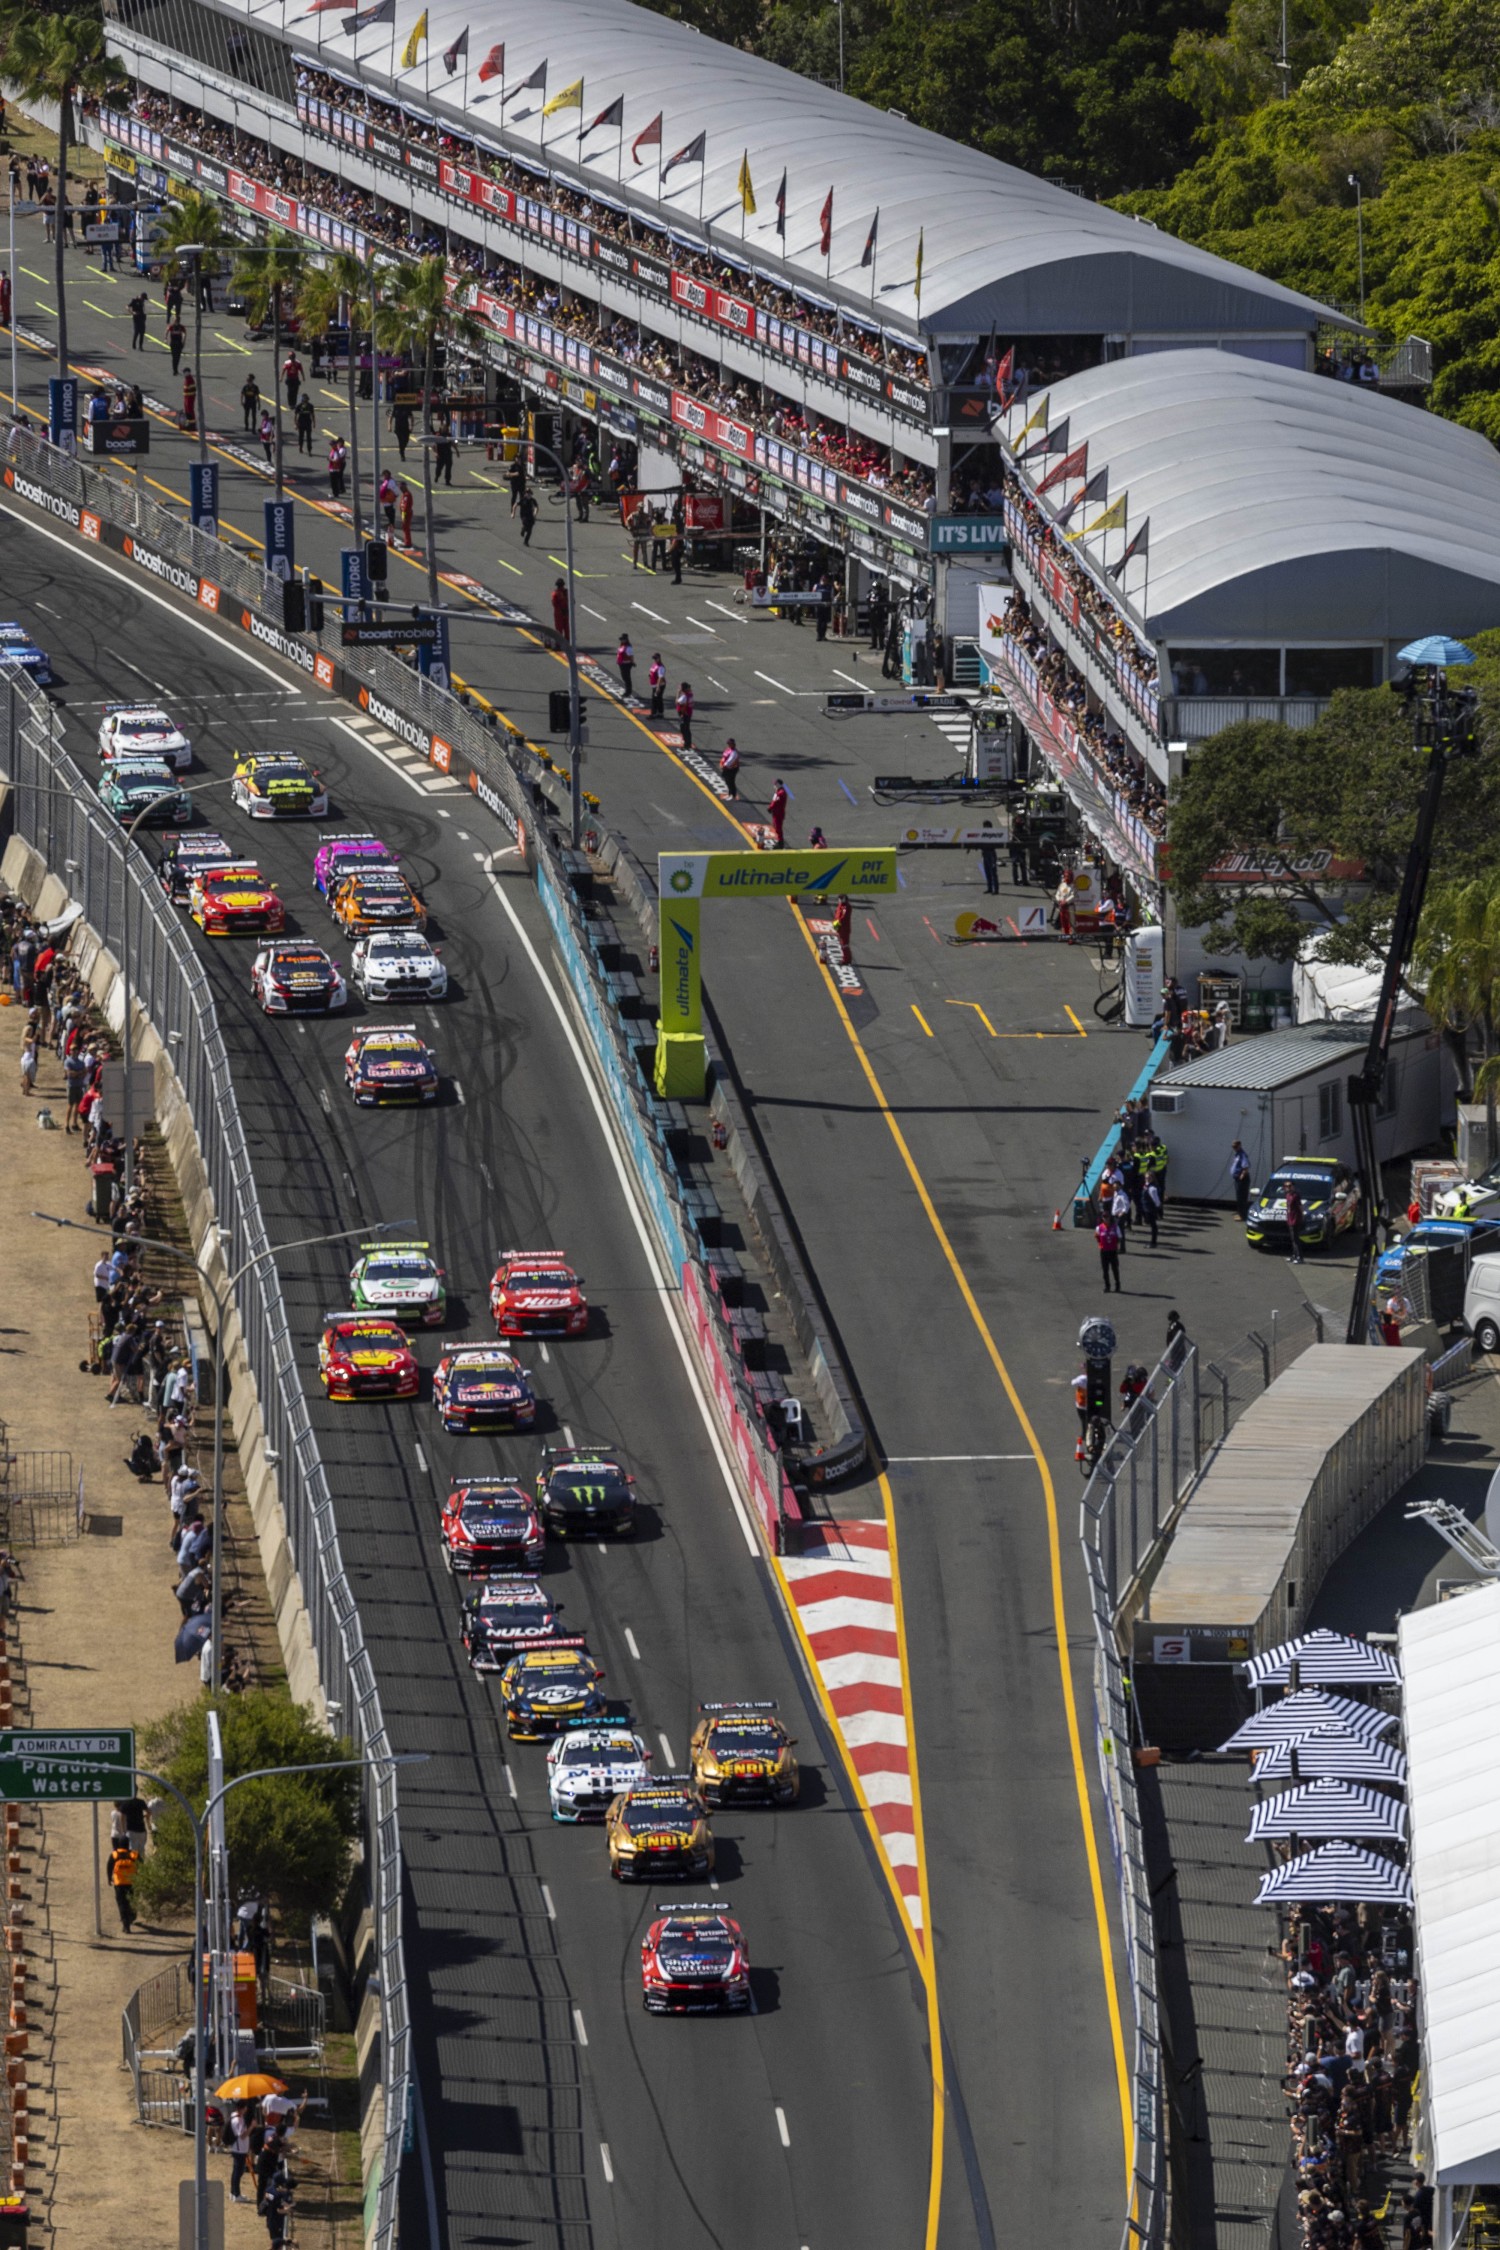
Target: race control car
[
  {"x": 381, "y": 899},
  {"x": 583, "y": 1493},
  {"x": 183, "y": 856},
  {"x": 694, "y": 1962},
  {"x": 589, "y": 1765},
  {"x": 546, "y": 1685},
  {"x": 338, "y": 856},
  {"x": 362, "y": 1357},
  {"x": 235, "y": 900},
  {"x": 659, "y": 1829},
  {"x": 481, "y": 1387},
  {"x": 390, "y": 1063},
  {"x": 143, "y": 789},
  {"x": 292, "y": 978},
  {"x": 277, "y": 786},
  {"x": 397, "y": 965},
  {"x": 19, "y": 649},
  {"x": 743, "y": 1750},
  {"x": 537, "y": 1293},
  {"x": 489, "y": 1524},
  {"x": 1330, "y": 1202},
  {"x": 1478, "y": 1238},
  {"x": 503, "y": 1615},
  {"x": 399, "y": 1278},
  {"x": 142, "y": 730}
]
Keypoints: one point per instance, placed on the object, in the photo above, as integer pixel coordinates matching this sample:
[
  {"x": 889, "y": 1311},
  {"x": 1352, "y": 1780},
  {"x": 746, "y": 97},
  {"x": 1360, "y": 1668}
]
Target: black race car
[
  {"x": 183, "y": 856},
  {"x": 583, "y": 1493},
  {"x": 1330, "y": 1203}
]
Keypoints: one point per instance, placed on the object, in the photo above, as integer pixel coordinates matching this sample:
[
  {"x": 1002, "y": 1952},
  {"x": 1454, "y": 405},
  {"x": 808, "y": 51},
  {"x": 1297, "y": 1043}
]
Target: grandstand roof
[
  {"x": 1283, "y": 503},
  {"x": 1002, "y": 251}
]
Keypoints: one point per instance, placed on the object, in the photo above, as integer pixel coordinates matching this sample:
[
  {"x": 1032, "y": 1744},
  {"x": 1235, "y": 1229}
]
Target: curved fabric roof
[
  {"x": 1287, "y": 504},
  {"x": 1001, "y": 250}
]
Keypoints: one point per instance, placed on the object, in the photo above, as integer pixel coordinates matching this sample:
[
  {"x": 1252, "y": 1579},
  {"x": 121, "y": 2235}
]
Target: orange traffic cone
[{"x": 1057, "y": 1222}]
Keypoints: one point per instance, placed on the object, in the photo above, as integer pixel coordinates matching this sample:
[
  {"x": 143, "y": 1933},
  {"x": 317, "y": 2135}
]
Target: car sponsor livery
[
  {"x": 1330, "y": 1202},
  {"x": 742, "y": 1750},
  {"x": 144, "y": 789},
  {"x": 342, "y": 855},
  {"x": 397, "y": 965},
  {"x": 399, "y": 1278},
  {"x": 582, "y": 1491},
  {"x": 142, "y": 730},
  {"x": 182, "y": 857},
  {"x": 19, "y": 651},
  {"x": 235, "y": 900},
  {"x": 390, "y": 1064},
  {"x": 590, "y": 1765},
  {"x": 278, "y": 787},
  {"x": 379, "y": 899},
  {"x": 661, "y": 1829},
  {"x": 545, "y": 1686},
  {"x": 489, "y": 1524},
  {"x": 537, "y": 1293},
  {"x": 481, "y": 1386},
  {"x": 291, "y": 978},
  {"x": 360, "y": 1356},
  {"x": 693, "y": 1961},
  {"x": 504, "y": 1615}
]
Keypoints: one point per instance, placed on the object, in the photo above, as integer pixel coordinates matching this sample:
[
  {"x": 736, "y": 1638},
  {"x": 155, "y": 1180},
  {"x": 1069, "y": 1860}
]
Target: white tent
[
  {"x": 1331, "y": 1750},
  {"x": 1300, "y": 1713},
  {"x": 1329, "y": 1808},
  {"x": 1323, "y": 1659},
  {"x": 1341, "y": 1873}
]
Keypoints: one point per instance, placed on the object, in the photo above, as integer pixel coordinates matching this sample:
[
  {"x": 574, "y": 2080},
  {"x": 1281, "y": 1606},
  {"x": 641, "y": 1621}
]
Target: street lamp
[
  {"x": 195, "y": 251},
  {"x": 221, "y": 1298},
  {"x": 575, "y": 731}
]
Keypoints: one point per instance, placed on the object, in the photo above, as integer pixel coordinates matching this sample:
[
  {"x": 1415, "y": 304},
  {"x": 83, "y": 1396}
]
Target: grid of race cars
[{"x": 493, "y": 1531}]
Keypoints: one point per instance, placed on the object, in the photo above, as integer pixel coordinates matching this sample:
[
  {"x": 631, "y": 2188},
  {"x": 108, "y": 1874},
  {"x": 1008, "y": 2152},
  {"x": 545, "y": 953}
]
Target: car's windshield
[
  {"x": 642, "y": 1815},
  {"x": 757, "y": 1741},
  {"x": 541, "y": 1277},
  {"x": 521, "y": 1615},
  {"x": 480, "y": 1515},
  {"x": 414, "y": 1268},
  {"x": 1306, "y": 1183},
  {"x": 595, "y": 1754},
  {"x": 709, "y": 1937},
  {"x": 592, "y": 1484}
]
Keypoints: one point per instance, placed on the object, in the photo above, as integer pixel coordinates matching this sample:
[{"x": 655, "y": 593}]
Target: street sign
[
  {"x": 77, "y": 1763},
  {"x": 353, "y": 580},
  {"x": 393, "y": 635}
]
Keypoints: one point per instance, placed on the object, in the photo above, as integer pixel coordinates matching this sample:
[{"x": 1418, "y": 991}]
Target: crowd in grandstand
[
  {"x": 1141, "y": 794},
  {"x": 1094, "y": 603}
]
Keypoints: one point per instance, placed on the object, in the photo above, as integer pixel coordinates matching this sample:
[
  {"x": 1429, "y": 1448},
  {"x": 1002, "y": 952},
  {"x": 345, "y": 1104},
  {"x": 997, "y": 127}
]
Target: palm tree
[
  {"x": 195, "y": 221},
  {"x": 416, "y": 316},
  {"x": 1456, "y": 967},
  {"x": 268, "y": 276},
  {"x": 329, "y": 292},
  {"x": 61, "y": 60}
]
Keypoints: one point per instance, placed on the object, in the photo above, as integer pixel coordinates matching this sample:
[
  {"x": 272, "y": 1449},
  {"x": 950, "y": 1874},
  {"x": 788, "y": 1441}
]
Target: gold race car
[
  {"x": 659, "y": 1829},
  {"x": 743, "y": 1750}
]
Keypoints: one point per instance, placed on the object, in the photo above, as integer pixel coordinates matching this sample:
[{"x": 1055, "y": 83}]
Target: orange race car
[{"x": 378, "y": 899}]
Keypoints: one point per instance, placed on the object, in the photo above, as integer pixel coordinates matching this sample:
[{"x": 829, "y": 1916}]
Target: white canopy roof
[{"x": 1450, "y": 1655}]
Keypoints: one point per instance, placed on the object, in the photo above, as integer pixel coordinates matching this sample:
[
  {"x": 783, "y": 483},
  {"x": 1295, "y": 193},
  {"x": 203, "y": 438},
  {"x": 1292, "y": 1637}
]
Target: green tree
[
  {"x": 1456, "y": 968},
  {"x": 195, "y": 222},
  {"x": 417, "y": 316},
  {"x": 268, "y": 276},
  {"x": 327, "y": 294},
  {"x": 60, "y": 60},
  {"x": 289, "y": 1837}
]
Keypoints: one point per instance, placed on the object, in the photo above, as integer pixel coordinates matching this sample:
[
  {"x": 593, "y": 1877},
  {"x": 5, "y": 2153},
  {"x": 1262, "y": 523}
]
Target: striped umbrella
[
  {"x": 1329, "y": 1808},
  {"x": 1324, "y": 1659},
  {"x": 1300, "y": 1713},
  {"x": 1334, "y": 1751},
  {"x": 1342, "y": 1873}
]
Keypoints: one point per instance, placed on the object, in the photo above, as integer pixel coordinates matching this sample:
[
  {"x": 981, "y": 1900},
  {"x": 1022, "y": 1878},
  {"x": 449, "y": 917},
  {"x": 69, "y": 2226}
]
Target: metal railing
[
  {"x": 56, "y": 812},
  {"x": 41, "y": 1500},
  {"x": 1193, "y": 718}
]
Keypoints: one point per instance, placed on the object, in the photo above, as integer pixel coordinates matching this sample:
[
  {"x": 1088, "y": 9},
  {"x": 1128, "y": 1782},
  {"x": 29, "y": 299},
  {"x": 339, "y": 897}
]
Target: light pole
[
  {"x": 195, "y": 251},
  {"x": 575, "y": 730},
  {"x": 222, "y": 1298},
  {"x": 1359, "y": 224}
]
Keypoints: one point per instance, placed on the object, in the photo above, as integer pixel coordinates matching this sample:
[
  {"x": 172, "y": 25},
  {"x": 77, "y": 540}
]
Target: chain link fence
[{"x": 55, "y": 811}]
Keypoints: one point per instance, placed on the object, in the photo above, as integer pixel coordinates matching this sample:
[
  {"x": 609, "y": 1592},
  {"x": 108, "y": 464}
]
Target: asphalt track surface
[{"x": 556, "y": 2113}]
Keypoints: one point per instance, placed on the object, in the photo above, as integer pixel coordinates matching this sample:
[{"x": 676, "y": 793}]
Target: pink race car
[{"x": 347, "y": 855}]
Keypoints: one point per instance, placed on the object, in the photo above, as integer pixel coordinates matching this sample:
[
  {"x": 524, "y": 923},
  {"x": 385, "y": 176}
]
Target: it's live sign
[{"x": 75, "y": 1763}]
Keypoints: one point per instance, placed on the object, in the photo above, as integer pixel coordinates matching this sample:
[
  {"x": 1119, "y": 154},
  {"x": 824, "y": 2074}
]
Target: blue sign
[
  {"x": 203, "y": 496},
  {"x": 969, "y": 535},
  {"x": 62, "y": 410},
  {"x": 279, "y": 540},
  {"x": 355, "y": 584},
  {"x": 432, "y": 661}
]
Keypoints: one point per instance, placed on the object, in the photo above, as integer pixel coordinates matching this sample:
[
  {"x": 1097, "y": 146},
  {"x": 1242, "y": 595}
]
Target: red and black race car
[
  {"x": 694, "y": 1962},
  {"x": 482, "y": 1387},
  {"x": 390, "y": 1063},
  {"x": 537, "y": 1293},
  {"x": 363, "y": 1355},
  {"x": 490, "y": 1524}
]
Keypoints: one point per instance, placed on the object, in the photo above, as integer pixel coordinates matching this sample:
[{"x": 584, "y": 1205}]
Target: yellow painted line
[
  {"x": 504, "y": 565},
  {"x": 478, "y": 479},
  {"x": 40, "y": 307},
  {"x": 100, "y": 309},
  {"x": 922, "y": 1020},
  {"x": 1074, "y": 1021},
  {"x": 337, "y": 396},
  {"x": 984, "y": 1019},
  {"x": 45, "y": 279},
  {"x": 234, "y": 345},
  {"x": 561, "y": 562}
]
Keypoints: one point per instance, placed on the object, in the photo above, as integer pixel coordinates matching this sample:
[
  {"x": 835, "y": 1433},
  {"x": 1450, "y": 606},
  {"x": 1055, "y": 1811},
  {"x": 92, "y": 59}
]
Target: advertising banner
[
  {"x": 203, "y": 496},
  {"x": 280, "y": 538},
  {"x": 773, "y": 874}
]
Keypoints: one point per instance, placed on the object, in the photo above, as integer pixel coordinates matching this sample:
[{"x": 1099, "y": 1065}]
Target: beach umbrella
[
  {"x": 1333, "y": 1751},
  {"x": 1436, "y": 648},
  {"x": 1300, "y": 1713},
  {"x": 1324, "y": 1659},
  {"x": 1343, "y": 1874},
  {"x": 1329, "y": 1808},
  {"x": 191, "y": 1637}
]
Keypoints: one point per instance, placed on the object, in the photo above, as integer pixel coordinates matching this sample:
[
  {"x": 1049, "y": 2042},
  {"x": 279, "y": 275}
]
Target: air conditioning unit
[{"x": 1168, "y": 1104}]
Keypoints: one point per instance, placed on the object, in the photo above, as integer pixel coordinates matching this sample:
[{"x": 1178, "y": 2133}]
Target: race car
[
  {"x": 503, "y": 1615},
  {"x": 589, "y": 1765},
  {"x": 362, "y": 1357},
  {"x": 397, "y": 965},
  {"x": 17, "y": 648},
  {"x": 183, "y": 856},
  {"x": 342, "y": 855},
  {"x": 277, "y": 786},
  {"x": 489, "y": 1524},
  {"x": 143, "y": 789},
  {"x": 743, "y": 1750},
  {"x": 548, "y": 1684},
  {"x": 381, "y": 899},
  {"x": 135, "y": 730},
  {"x": 398, "y": 1278},
  {"x": 235, "y": 900},
  {"x": 537, "y": 1293},
  {"x": 291, "y": 978},
  {"x": 583, "y": 1493},
  {"x": 481, "y": 1387},
  {"x": 1330, "y": 1202},
  {"x": 659, "y": 1829},
  {"x": 389, "y": 1063},
  {"x": 694, "y": 1962}
]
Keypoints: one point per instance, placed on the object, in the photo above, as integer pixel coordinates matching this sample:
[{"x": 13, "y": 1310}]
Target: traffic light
[
  {"x": 316, "y": 613},
  {"x": 375, "y": 561},
  {"x": 293, "y": 606}
]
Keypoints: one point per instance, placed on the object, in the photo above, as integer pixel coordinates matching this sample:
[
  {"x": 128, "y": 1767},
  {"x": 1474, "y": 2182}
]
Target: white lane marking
[
  {"x": 709, "y": 603},
  {"x": 593, "y": 612},
  {"x": 637, "y": 1214},
  {"x": 849, "y": 676},
  {"x": 327, "y": 1104},
  {"x": 902, "y": 1460},
  {"x": 630, "y": 1644},
  {"x": 510, "y": 1781},
  {"x": 303, "y": 1029},
  {"x": 482, "y": 857},
  {"x": 547, "y": 1902},
  {"x": 541, "y": 1347},
  {"x": 609, "y": 2170},
  {"x": 702, "y": 625},
  {"x": 49, "y": 611},
  {"x": 487, "y": 1176},
  {"x": 719, "y": 684},
  {"x": 567, "y": 1434},
  {"x": 422, "y": 1461},
  {"x": 713, "y": 1882},
  {"x": 432, "y": 1019},
  {"x": 583, "y": 2037},
  {"x": 463, "y": 835},
  {"x": 458, "y": 1092},
  {"x": 600, "y": 1544},
  {"x": 776, "y": 683},
  {"x": 442, "y": 815},
  {"x": 411, "y": 780},
  {"x": 666, "y": 1751},
  {"x": 656, "y": 613},
  {"x": 786, "y": 2138}
]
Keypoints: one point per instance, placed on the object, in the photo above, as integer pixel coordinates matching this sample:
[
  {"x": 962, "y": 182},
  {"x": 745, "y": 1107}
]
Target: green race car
[
  {"x": 145, "y": 788},
  {"x": 399, "y": 1278}
]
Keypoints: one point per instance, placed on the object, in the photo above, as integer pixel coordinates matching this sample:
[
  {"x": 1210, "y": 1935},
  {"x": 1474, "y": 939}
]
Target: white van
[{"x": 1482, "y": 1302}]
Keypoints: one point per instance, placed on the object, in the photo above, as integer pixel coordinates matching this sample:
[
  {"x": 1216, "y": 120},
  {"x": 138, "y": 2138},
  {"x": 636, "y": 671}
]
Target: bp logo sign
[{"x": 682, "y": 879}]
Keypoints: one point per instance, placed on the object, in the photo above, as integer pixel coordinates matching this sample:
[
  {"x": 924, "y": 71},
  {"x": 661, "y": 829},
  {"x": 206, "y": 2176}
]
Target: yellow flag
[
  {"x": 571, "y": 97},
  {"x": 747, "y": 192},
  {"x": 1038, "y": 420},
  {"x": 1113, "y": 519},
  {"x": 418, "y": 34},
  {"x": 921, "y": 246}
]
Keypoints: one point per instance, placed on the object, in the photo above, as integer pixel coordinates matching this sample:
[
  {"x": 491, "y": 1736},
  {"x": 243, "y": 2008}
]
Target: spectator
[
  {"x": 560, "y": 610},
  {"x": 121, "y": 1869},
  {"x": 250, "y": 402},
  {"x": 1239, "y": 1179},
  {"x": 237, "y": 2141},
  {"x": 125, "y": 1365}
]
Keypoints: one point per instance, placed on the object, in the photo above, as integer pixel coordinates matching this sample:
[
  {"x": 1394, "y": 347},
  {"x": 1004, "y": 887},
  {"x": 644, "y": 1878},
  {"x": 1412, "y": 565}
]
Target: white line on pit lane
[
  {"x": 567, "y": 1434},
  {"x": 547, "y": 1902},
  {"x": 510, "y": 1780},
  {"x": 656, "y": 613},
  {"x": 776, "y": 683},
  {"x": 422, "y": 1461},
  {"x": 546, "y": 1355},
  {"x": 609, "y": 2170},
  {"x": 327, "y": 1104},
  {"x": 583, "y": 2037},
  {"x": 630, "y": 1644},
  {"x": 786, "y": 2138},
  {"x": 723, "y": 612},
  {"x": 458, "y": 1092},
  {"x": 666, "y": 1751}
]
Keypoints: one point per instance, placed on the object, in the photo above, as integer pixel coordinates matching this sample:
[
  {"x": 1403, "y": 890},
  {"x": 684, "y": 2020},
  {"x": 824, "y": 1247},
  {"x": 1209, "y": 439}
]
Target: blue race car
[
  {"x": 1481, "y": 1235},
  {"x": 19, "y": 649}
]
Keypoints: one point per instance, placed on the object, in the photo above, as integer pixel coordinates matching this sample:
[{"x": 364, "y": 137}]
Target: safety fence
[
  {"x": 41, "y": 1500},
  {"x": 53, "y": 810}
]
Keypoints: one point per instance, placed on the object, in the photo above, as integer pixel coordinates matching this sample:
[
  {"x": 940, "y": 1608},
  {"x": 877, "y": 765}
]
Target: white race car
[
  {"x": 397, "y": 965},
  {"x": 589, "y": 1765},
  {"x": 142, "y": 730}
]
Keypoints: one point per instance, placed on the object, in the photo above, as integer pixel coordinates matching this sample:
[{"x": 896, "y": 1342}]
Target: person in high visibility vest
[{"x": 122, "y": 1866}]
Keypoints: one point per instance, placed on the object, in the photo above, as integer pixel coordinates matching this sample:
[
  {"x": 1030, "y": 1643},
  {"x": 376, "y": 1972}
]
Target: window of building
[
  {"x": 1322, "y": 671},
  {"x": 1226, "y": 671},
  {"x": 1330, "y": 1111}
]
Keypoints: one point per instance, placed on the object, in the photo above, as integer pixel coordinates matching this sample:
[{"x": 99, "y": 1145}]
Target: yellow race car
[
  {"x": 547, "y": 1686},
  {"x": 743, "y": 1750},
  {"x": 659, "y": 1829}
]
